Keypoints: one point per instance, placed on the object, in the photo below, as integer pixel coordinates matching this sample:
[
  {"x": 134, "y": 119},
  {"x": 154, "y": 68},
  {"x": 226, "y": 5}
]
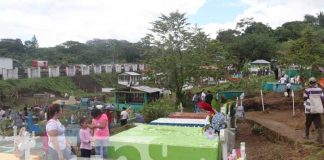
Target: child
[{"x": 85, "y": 137}]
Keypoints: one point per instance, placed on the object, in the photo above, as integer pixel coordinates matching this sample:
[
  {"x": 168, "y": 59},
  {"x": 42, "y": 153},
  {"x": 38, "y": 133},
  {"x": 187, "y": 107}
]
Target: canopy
[{"x": 260, "y": 61}]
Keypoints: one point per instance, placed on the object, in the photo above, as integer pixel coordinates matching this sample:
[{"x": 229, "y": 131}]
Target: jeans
[
  {"x": 67, "y": 154},
  {"x": 101, "y": 147}
]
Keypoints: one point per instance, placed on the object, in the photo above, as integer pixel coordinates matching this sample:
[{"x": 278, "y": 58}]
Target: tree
[
  {"x": 32, "y": 44},
  {"x": 178, "y": 50},
  {"x": 250, "y": 47},
  {"x": 307, "y": 50},
  {"x": 320, "y": 17},
  {"x": 311, "y": 19},
  {"x": 227, "y": 36}
]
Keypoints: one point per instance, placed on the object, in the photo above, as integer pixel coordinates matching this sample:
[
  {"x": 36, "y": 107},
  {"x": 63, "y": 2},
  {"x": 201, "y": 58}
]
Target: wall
[
  {"x": 70, "y": 71},
  {"x": 34, "y": 72},
  {"x": 53, "y": 71},
  {"x": 85, "y": 70},
  {"x": 6, "y": 63},
  {"x": 10, "y": 74}
]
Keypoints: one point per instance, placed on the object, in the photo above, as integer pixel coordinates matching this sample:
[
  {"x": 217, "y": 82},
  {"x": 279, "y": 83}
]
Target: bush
[
  {"x": 158, "y": 109},
  {"x": 257, "y": 129}
]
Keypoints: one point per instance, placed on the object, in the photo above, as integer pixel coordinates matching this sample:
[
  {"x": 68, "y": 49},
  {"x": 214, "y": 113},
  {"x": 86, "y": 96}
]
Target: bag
[
  {"x": 316, "y": 105},
  {"x": 286, "y": 94}
]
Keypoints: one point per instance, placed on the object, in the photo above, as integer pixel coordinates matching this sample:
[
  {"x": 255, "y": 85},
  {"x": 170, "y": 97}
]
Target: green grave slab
[{"x": 149, "y": 142}]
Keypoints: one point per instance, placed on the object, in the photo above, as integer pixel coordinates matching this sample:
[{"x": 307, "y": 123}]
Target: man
[
  {"x": 208, "y": 97},
  {"x": 124, "y": 117},
  {"x": 195, "y": 100},
  {"x": 311, "y": 91}
]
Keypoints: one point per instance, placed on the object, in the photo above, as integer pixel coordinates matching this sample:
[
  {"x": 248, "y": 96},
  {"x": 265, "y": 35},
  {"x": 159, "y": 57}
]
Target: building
[
  {"x": 10, "y": 68},
  {"x": 129, "y": 78},
  {"x": 135, "y": 96}
]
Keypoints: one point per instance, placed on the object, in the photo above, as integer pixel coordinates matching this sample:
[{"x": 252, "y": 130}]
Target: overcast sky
[{"x": 56, "y": 21}]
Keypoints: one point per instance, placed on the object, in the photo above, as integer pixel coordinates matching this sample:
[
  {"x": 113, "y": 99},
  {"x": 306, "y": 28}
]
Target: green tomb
[{"x": 150, "y": 142}]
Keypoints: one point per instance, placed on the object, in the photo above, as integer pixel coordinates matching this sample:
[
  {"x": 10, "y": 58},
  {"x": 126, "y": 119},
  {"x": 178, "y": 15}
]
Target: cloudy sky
[{"x": 56, "y": 21}]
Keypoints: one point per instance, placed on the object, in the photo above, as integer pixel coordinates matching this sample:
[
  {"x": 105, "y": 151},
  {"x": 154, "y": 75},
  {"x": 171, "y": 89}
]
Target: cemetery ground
[
  {"x": 273, "y": 134},
  {"x": 277, "y": 134}
]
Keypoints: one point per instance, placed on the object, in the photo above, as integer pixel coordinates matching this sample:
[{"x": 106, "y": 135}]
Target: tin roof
[
  {"x": 146, "y": 89},
  {"x": 130, "y": 73},
  {"x": 260, "y": 61}
]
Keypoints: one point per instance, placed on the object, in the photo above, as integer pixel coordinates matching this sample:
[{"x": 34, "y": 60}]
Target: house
[
  {"x": 10, "y": 68},
  {"x": 129, "y": 78},
  {"x": 135, "y": 96}
]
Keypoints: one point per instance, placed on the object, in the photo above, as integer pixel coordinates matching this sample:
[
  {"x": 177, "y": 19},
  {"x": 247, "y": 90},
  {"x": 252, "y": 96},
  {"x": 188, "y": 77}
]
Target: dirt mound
[
  {"x": 274, "y": 101},
  {"x": 86, "y": 83}
]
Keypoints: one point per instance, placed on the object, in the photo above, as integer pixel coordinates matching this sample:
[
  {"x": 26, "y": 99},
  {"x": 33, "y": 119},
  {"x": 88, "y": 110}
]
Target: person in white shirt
[
  {"x": 57, "y": 149},
  {"x": 202, "y": 95},
  {"x": 282, "y": 80},
  {"x": 124, "y": 117}
]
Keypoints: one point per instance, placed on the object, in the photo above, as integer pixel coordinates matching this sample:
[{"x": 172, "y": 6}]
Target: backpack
[{"x": 316, "y": 105}]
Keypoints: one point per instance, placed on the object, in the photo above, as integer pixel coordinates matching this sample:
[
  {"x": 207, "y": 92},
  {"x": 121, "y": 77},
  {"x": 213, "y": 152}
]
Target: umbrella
[{"x": 206, "y": 106}]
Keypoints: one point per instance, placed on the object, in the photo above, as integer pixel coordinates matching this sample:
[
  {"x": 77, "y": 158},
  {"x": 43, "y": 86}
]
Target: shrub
[
  {"x": 158, "y": 109},
  {"x": 257, "y": 129}
]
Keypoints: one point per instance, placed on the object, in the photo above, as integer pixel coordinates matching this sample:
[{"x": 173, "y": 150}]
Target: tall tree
[
  {"x": 177, "y": 50},
  {"x": 32, "y": 44},
  {"x": 320, "y": 17}
]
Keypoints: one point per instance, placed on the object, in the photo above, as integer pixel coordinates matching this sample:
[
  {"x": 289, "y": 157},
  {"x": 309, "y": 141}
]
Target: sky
[{"x": 56, "y": 21}]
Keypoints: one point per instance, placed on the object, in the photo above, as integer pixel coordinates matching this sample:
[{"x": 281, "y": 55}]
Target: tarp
[
  {"x": 228, "y": 94},
  {"x": 206, "y": 106}
]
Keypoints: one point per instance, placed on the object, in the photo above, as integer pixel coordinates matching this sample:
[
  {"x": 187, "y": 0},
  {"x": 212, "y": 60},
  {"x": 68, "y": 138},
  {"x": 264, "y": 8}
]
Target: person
[
  {"x": 58, "y": 149},
  {"x": 108, "y": 112},
  {"x": 123, "y": 117},
  {"x": 282, "y": 80},
  {"x": 288, "y": 89},
  {"x": 203, "y": 95},
  {"x": 195, "y": 100},
  {"x": 209, "y": 97},
  {"x": 139, "y": 118},
  {"x": 101, "y": 132},
  {"x": 85, "y": 138},
  {"x": 313, "y": 89}
]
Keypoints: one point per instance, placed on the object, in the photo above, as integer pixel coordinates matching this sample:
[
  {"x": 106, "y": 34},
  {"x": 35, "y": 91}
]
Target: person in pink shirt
[
  {"x": 101, "y": 132},
  {"x": 85, "y": 137}
]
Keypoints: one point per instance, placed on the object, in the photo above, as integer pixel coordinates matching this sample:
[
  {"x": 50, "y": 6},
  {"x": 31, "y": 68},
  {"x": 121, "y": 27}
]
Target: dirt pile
[
  {"x": 86, "y": 83},
  {"x": 273, "y": 100}
]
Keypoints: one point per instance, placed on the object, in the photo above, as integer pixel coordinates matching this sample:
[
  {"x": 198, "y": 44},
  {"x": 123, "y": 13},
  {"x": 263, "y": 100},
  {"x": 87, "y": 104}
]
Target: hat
[{"x": 312, "y": 80}]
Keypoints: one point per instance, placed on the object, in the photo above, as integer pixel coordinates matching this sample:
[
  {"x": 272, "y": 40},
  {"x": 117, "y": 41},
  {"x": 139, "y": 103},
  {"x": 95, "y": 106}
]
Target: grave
[{"x": 152, "y": 142}]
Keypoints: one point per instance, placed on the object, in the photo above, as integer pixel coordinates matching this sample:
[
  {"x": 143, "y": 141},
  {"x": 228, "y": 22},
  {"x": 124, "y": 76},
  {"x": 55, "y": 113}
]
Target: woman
[
  {"x": 101, "y": 132},
  {"x": 57, "y": 149}
]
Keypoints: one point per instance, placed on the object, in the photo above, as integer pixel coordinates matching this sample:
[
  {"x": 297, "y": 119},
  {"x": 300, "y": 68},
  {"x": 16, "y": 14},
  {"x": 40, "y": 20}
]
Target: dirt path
[
  {"x": 278, "y": 135},
  {"x": 258, "y": 147}
]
